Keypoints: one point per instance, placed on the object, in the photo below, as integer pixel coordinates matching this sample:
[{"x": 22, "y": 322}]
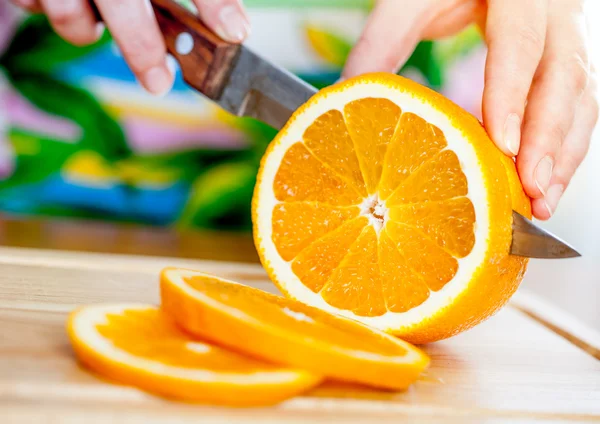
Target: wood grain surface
[
  {"x": 509, "y": 369},
  {"x": 558, "y": 321}
]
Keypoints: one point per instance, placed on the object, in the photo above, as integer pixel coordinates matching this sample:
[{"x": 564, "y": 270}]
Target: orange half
[{"x": 384, "y": 202}]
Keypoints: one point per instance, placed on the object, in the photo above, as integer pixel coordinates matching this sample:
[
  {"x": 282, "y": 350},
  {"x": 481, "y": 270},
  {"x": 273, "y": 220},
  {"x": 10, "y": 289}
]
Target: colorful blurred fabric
[{"x": 80, "y": 138}]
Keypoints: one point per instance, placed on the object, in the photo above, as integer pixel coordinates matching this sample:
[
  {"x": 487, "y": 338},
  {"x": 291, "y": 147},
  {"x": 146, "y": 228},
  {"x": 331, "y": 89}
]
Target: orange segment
[
  {"x": 316, "y": 263},
  {"x": 371, "y": 123},
  {"x": 310, "y": 221},
  {"x": 356, "y": 283},
  {"x": 433, "y": 264},
  {"x": 287, "y": 332},
  {"x": 450, "y": 223},
  {"x": 414, "y": 142},
  {"x": 328, "y": 139},
  {"x": 302, "y": 177},
  {"x": 141, "y": 346},
  {"x": 403, "y": 288},
  {"x": 436, "y": 180}
]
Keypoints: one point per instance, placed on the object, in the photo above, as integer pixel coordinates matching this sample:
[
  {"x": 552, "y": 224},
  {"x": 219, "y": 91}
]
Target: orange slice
[
  {"x": 384, "y": 202},
  {"x": 139, "y": 345},
  {"x": 288, "y": 332}
]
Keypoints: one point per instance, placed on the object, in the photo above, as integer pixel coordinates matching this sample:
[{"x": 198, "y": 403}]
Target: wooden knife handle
[{"x": 205, "y": 59}]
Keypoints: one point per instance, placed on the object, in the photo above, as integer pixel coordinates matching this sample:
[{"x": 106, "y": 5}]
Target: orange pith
[
  {"x": 286, "y": 331},
  {"x": 372, "y": 148},
  {"x": 141, "y": 346},
  {"x": 383, "y": 201}
]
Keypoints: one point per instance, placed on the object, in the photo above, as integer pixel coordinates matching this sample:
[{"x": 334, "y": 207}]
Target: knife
[{"x": 245, "y": 84}]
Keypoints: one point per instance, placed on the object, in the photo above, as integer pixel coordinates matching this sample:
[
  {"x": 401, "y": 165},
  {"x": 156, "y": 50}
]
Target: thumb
[{"x": 389, "y": 37}]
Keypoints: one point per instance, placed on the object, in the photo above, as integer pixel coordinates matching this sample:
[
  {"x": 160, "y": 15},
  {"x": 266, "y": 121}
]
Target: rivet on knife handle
[{"x": 205, "y": 59}]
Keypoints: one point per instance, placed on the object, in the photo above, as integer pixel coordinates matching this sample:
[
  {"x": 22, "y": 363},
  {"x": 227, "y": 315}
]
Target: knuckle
[
  {"x": 530, "y": 40},
  {"x": 581, "y": 71},
  {"x": 577, "y": 71},
  {"x": 556, "y": 133}
]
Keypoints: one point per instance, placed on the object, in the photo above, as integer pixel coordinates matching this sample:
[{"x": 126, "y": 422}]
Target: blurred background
[{"x": 86, "y": 155}]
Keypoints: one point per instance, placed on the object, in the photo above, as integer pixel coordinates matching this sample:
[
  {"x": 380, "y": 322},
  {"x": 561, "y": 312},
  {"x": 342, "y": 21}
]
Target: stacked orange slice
[
  {"x": 285, "y": 331},
  {"x": 219, "y": 342}
]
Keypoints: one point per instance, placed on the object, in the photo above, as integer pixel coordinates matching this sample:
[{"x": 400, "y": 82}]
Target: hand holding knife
[{"x": 245, "y": 84}]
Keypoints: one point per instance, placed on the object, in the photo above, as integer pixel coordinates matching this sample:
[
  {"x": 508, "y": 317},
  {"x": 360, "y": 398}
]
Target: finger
[
  {"x": 73, "y": 20},
  {"x": 453, "y": 16},
  {"x": 134, "y": 28},
  {"x": 559, "y": 83},
  {"x": 390, "y": 35},
  {"x": 32, "y": 6},
  {"x": 515, "y": 46},
  {"x": 572, "y": 152},
  {"x": 227, "y": 18}
]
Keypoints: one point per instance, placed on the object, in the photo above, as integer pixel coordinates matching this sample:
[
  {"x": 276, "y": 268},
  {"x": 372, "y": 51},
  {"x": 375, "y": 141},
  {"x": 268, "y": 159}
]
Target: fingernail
[
  {"x": 232, "y": 26},
  {"x": 158, "y": 80},
  {"x": 512, "y": 133},
  {"x": 552, "y": 197},
  {"x": 543, "y": 173},
  {"x": 99, "y": 30},
  {"x": 172, "y": 64}
]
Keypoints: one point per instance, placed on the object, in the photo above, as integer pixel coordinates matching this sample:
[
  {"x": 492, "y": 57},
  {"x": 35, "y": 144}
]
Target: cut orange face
[
  {"x": 286, "y": 331},
  {"x": 384, "y": 202},
  {"x": 139, "y": 345}
]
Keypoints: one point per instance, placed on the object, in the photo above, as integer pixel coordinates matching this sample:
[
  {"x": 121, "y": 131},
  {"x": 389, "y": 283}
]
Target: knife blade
[
  {"x": 531, "y": 241},
  {"x": 259, "y": 90},
  {"x": 245, "y": 84}
]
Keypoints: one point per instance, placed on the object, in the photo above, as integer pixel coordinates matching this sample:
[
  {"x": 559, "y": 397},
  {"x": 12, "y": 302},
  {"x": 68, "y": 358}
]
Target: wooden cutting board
[{"x": 516, "y": 367}]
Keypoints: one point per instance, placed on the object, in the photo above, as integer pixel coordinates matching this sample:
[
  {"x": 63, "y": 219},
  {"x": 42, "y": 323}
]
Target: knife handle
[{"x": 205, "y": 59}]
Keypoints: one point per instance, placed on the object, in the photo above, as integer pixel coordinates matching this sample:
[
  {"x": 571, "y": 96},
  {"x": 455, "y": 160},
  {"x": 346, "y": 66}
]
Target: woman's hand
[
  {"x": 539, "y": 101},
  {"x": 135, "y": 30}
]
